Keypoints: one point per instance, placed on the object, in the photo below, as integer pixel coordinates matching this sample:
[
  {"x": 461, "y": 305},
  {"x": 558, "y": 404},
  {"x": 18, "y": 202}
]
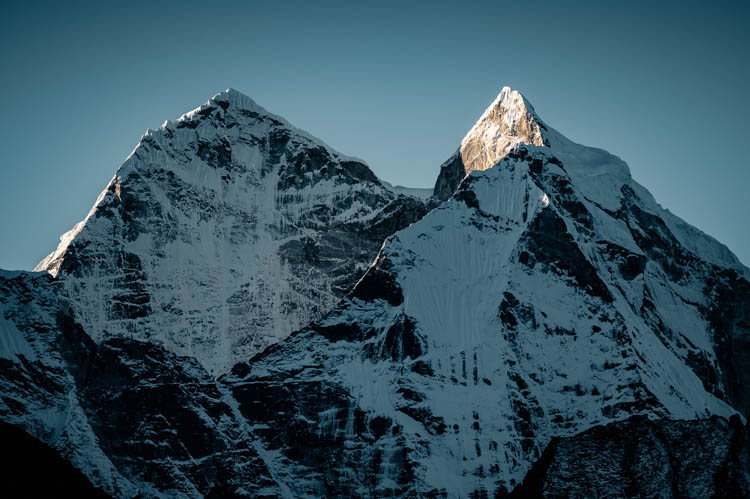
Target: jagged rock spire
[{"x": 509, "y": 121}]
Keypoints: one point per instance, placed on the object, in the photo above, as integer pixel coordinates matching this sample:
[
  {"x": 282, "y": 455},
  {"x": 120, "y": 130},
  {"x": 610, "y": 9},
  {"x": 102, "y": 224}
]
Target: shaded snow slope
[
  {"x": 133, "y": 417},
  {"x": 37, "y": 385},
  {"x": 223, "y": 232}
]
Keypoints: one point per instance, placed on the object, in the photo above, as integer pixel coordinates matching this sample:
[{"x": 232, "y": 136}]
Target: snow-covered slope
[
  {"x": 223, "y": 232},
  {"x": 38, "y": 341}
]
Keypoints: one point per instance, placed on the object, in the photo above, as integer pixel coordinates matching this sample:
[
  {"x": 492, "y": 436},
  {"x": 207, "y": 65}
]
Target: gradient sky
[{"x": 662, "y": 85}]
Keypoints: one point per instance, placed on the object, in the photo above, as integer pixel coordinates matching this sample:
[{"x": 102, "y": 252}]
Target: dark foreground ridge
[
  {"x": 33, "y": 469},
  {"x": 639, "y": 457}
]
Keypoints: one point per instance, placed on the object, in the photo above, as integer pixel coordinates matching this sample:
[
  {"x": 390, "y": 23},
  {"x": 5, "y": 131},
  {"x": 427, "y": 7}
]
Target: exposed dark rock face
[
  {"x": 162, "y": 420},
  {"x": 132, "y": 416},
  {"x": 548, "y": 243},
  {"x": 379, "y": 283},
  {"x": 33, "y": 469},
  {"x": 729, "y": 317},
  {"x": 45, "y": 356},
  {"x": 324, "y": 444},
  {"x": 643, "y": 458},
  {"x": 452, "y": 172}
]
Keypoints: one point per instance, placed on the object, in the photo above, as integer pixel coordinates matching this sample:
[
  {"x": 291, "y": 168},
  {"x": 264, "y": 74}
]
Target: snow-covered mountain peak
[
  {"x": 224, "y": 231},
  {"x": 510, "y": 120},
  {"x": 229, "y": 97},
  {"x": 509, "y": 105},
  {"x": 510, "y": 125},
  {"x": 517, "y": 311}
]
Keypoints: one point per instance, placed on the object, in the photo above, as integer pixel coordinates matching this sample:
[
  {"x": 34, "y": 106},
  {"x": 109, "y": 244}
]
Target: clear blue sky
[{"x": 663, "y": 85}]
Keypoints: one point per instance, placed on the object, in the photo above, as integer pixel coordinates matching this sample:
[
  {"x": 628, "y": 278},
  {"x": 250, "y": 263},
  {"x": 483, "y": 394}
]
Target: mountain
[
  {"x": 547, "y": 329},
  {"x": 409, "y": 191},
  {"x": 508, "y": 122},
  {"x": 548, "y": 295},
  {"x": 223, "y": 232}
]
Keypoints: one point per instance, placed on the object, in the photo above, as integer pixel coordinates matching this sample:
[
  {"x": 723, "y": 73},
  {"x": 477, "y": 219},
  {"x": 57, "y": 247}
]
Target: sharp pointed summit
[
  {"x": 224, "y": 231},
  {"x": 509, "y": 121}
]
